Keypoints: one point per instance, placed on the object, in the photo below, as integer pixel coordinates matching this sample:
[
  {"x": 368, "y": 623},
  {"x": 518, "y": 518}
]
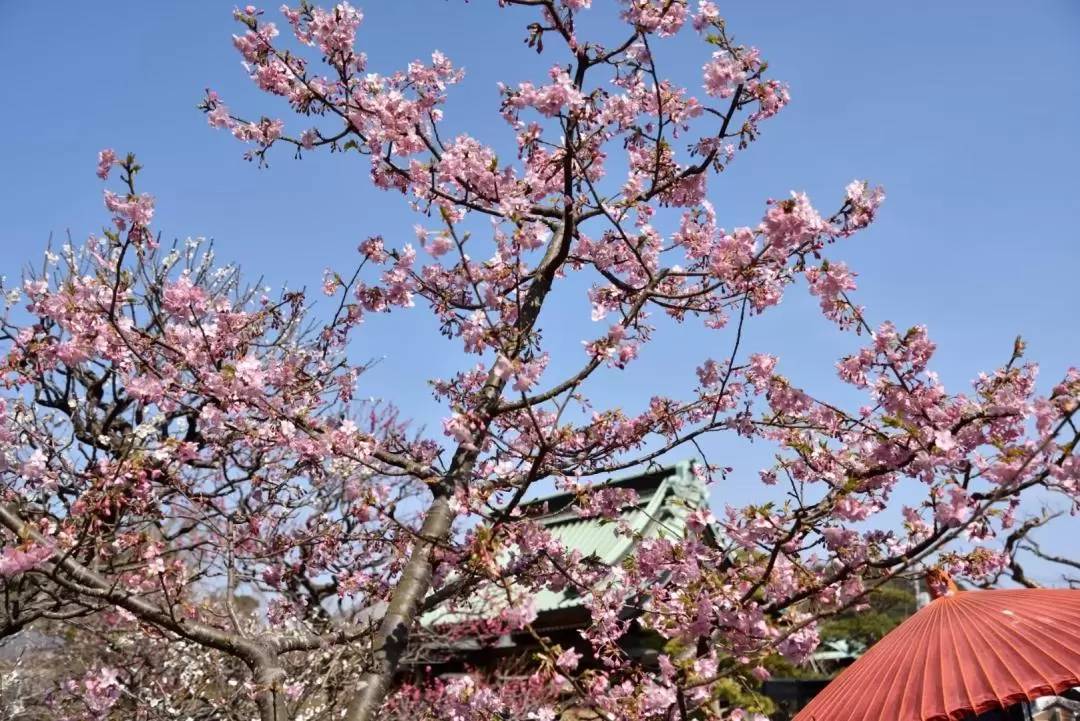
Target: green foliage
[
  {"x": 743, "y": 693},
  {"x": 889, "y": 606}
]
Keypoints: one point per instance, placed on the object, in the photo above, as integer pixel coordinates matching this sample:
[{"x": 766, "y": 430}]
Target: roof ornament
[
  {"x": 688, "y": 491},
  {"x": 688, "y": 485},
  {"x": 940, "y": 583}
]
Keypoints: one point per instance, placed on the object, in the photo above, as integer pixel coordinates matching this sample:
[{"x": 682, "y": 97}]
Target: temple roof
[{"x": 665, "y": 497}]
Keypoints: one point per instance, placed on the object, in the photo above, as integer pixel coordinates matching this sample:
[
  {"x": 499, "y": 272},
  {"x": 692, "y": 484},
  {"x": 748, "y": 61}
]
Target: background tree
[
  {"x": 886, "y": 607},
  {"x": 169, "y": 432},
  {"x": 1022, "y": 547}
]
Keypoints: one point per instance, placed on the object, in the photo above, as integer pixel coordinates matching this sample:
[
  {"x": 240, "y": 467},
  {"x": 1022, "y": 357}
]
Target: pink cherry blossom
[
  {"x": 106, "y": 159},
  {"x": 15, "y": 560}
]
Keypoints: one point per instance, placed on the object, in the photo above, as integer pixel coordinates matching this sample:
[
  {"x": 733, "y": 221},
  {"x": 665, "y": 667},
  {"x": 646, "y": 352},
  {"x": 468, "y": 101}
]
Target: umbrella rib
[
  {"x": 971, "y": 632},
  {"x": 1053, "y": 647},
  {"x": 994, "y": 648},
  {"x": 989, "y": 633},
  {"x": 953, "y": 625},
  {"x": 938, "y": 688},
  {"x": 928, "y": 615},
  {"x": 1052, "y": 640},
  {"x": 865, "y": 672},
  {"x": 897, "y": 664}
]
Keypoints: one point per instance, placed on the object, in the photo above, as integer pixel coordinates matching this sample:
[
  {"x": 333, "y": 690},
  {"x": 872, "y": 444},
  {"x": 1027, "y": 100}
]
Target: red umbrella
[{"x": 962, "y": 655}]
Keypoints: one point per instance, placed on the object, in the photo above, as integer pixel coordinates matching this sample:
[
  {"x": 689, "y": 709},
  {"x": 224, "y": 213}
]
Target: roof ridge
[
  {"x": 668, "y": 496},
  {"x": 651, "y": 480}
]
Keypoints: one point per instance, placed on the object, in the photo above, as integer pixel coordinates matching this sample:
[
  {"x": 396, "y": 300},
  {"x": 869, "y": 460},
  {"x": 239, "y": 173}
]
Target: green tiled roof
[{"x": 665, "y": 497}]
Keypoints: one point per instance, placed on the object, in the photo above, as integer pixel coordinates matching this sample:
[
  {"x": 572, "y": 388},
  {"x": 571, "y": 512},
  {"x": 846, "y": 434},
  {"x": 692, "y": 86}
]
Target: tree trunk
[
  {"x": 271, "y": 695},
  {"x": 392, "y": 639},
  {"x": 393, "y": 636}
]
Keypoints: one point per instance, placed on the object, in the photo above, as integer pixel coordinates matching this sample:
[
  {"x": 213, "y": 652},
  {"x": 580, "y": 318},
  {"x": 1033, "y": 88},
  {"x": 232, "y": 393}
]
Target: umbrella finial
[{"x": 940, "y": 583}]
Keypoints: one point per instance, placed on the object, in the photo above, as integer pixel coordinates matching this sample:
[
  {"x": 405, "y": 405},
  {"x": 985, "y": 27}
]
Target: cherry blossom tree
[
  {"x": 171, "y": 438},
  {"x": 1021, "y": 547}
]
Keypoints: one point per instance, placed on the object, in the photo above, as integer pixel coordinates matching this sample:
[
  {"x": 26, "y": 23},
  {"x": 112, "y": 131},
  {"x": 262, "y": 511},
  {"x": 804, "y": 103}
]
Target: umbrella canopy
[{"x": 961, "y": 655}]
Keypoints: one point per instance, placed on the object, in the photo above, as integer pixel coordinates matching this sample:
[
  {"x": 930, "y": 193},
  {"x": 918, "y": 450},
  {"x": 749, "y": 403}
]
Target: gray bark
[{"x": 393, "y": 635}]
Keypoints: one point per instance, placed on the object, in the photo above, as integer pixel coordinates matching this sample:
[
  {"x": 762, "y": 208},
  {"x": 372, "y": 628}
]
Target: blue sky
[{"x": 965, "y": 112}]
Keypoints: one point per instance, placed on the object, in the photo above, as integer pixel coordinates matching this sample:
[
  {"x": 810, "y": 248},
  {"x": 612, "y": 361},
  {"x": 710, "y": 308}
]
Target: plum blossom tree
[{"x": 171, "y": 438}]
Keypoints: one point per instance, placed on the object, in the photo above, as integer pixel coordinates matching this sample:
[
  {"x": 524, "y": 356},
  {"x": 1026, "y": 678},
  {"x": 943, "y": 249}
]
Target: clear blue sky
[{"x": 965, "y": 111}]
